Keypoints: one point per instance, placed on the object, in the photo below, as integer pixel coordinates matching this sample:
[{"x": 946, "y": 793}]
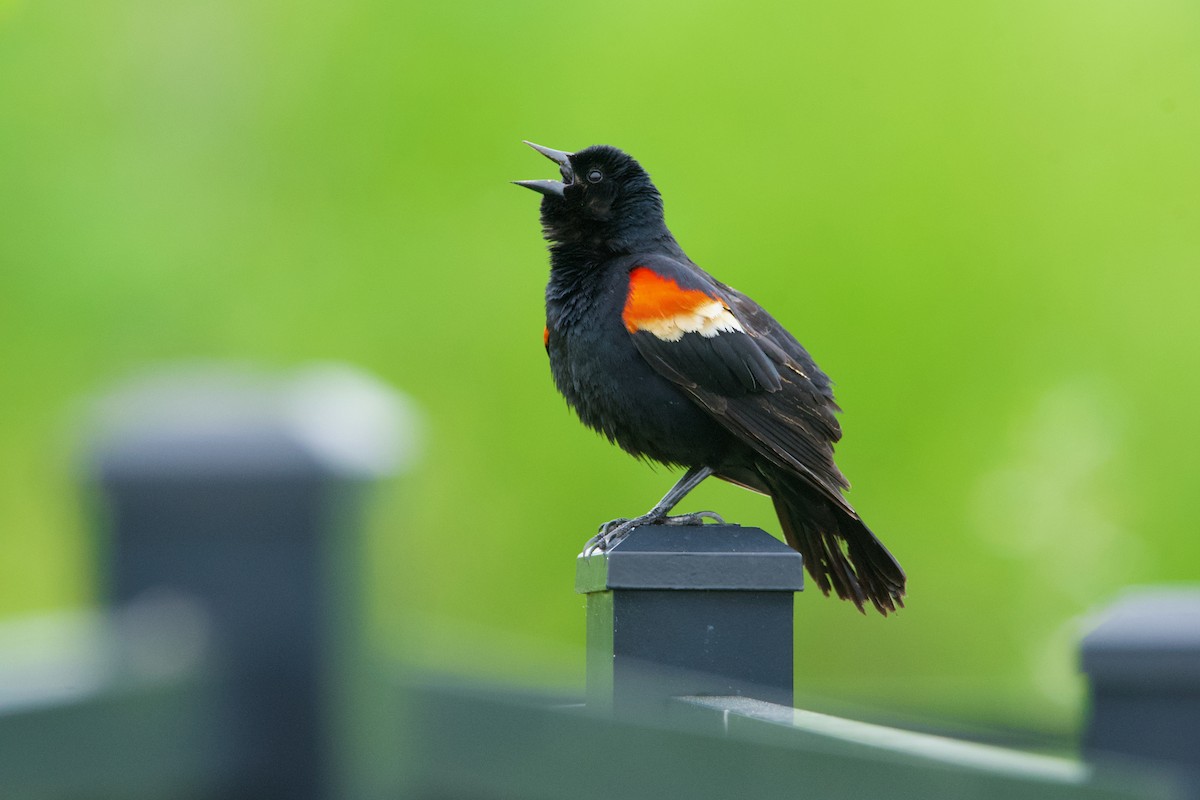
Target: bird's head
[{"x": 604, "y": 198}]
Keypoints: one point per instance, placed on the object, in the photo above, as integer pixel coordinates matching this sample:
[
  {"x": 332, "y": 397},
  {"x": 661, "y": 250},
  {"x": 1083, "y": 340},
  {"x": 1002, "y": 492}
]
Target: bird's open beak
[{"x": 553, "y": 188}]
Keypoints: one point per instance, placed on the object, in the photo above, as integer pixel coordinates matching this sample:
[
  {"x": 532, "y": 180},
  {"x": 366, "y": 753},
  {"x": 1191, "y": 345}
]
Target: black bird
[{"x": 673, "y": 365}]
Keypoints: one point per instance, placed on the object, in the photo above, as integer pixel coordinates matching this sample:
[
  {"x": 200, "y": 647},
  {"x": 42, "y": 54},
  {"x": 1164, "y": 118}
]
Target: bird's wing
[{"x": 740, "y": 365}]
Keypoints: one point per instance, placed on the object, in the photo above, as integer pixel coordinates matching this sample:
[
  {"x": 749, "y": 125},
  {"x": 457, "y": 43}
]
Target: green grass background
[{"x": 982, "y": 218}]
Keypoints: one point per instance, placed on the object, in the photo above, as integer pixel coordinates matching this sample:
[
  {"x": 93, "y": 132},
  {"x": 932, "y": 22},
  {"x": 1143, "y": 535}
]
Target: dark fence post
[
  {"x": 1142, "y": 660},
  {"x": 243, "y": 492},
  {"x": 676, "y": 610}
]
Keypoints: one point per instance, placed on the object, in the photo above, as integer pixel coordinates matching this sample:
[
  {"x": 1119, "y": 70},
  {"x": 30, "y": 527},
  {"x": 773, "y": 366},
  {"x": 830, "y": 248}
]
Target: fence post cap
[
  {"x": 207, "y": 418},
  {"x": 1149, "y": 637},
  {"x": 697, "y": 557}
]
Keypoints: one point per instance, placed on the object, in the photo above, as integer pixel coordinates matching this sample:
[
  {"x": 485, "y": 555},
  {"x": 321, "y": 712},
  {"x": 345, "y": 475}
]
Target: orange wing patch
[
  {"x": 546, "y": 337},
  {"x": 662, "y": 307}
]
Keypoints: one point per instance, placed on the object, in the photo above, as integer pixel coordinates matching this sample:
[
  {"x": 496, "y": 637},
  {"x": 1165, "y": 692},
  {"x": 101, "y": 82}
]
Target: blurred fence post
[
  {"x": 242, "y": 491},
  {"x": 675, "y": 610},
  {"x": 1142, "y": 660}
]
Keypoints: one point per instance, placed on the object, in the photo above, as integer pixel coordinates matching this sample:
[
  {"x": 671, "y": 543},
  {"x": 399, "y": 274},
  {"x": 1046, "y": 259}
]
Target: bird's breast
[{"x": 612, "y": 388}]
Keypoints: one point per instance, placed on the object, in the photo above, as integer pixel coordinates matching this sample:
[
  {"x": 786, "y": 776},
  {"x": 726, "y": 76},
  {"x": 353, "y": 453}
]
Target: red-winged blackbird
[{"x": 673, "y": 365}]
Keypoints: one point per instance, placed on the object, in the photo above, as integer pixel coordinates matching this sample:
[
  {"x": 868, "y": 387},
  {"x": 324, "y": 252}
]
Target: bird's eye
[{"x": 595, "y": 176}]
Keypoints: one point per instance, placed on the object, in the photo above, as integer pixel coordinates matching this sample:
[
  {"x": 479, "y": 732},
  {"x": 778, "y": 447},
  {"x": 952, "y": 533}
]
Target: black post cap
[{"x": 696, "y": 557}]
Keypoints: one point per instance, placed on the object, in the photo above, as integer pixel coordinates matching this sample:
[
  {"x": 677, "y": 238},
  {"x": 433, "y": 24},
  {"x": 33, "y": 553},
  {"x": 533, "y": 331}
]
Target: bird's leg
[
  {"x": 615, "y": 530},
  {"x": 657, "y": 515}
]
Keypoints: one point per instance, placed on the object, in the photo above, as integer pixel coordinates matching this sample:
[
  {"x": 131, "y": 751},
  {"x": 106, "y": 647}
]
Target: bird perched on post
[{"x": 673, "y": 365}]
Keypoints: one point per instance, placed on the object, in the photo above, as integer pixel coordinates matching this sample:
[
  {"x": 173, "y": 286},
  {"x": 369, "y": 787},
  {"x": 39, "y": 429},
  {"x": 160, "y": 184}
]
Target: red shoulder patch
[
  {"x": 660, "y": 306},
  {"x": 546, "y": 337},
  {"x": 653, "y": 298}
]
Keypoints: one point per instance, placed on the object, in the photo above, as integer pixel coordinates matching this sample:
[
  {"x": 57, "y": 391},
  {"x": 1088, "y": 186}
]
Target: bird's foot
[
  {"x": 609, "y": 535},
  {"x": 614, "y": 531},
  {"x": 695, "y": 518}
]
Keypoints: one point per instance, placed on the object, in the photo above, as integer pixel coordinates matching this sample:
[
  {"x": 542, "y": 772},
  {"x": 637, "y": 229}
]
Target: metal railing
[{"x": 229, "y": 661}]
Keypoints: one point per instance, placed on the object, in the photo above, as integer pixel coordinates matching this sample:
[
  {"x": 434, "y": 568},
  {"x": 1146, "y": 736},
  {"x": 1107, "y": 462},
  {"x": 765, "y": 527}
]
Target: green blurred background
[{"x": 982, "y": 218}]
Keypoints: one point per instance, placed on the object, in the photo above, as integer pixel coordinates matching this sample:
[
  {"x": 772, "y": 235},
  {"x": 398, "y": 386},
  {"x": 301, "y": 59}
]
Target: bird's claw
[
  {"x": 614, "y": 531},
  {"x": 611, "y": 525},
  {"x": 610, "y": 534},
  {"x": 696, "y": 518}
]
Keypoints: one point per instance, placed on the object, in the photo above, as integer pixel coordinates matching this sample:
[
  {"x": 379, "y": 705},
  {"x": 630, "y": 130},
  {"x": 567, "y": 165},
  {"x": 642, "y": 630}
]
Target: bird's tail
[{"x": 839, "y": 551}]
